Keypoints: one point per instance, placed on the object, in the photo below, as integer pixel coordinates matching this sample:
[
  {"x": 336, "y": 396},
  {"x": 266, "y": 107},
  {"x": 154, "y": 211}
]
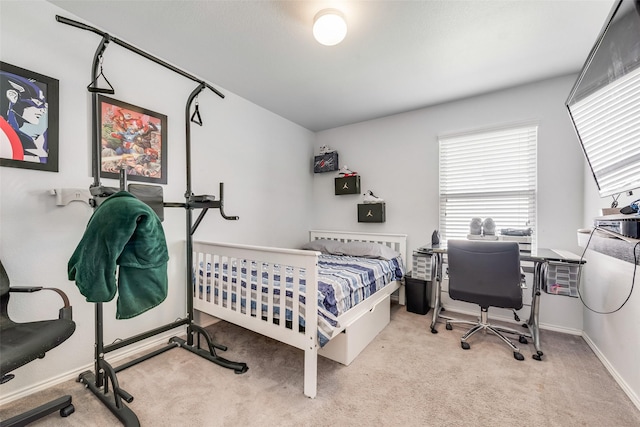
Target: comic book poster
[
  {"x": 132, "y": 139},
  {"x": 28, "y": 119}
]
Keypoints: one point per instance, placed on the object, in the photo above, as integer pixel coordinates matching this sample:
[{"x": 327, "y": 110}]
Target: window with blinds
[
  {"x": 608, "y": 122},
  {"x": 488, "y": 174}
]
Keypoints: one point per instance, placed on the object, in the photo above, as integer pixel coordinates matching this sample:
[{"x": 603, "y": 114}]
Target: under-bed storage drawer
[{"x": 348, "y": 344}]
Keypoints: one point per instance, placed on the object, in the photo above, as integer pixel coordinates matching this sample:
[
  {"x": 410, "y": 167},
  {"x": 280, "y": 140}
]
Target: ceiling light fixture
[{"x": 329, "y": 27}]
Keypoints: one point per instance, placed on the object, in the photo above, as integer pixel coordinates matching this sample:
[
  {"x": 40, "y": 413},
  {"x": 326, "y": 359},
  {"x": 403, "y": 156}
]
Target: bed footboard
[{"x": 259, "y": 289}]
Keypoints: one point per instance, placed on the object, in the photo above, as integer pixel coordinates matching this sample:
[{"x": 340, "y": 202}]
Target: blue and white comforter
[{"x": 343, "y": 282}]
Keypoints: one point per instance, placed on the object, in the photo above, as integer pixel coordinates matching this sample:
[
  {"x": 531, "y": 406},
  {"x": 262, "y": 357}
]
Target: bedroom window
[{"x": 488, "y": 174}]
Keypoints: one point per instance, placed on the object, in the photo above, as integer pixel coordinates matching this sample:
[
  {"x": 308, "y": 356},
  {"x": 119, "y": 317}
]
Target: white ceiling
[{"x": 398, "y": 55}]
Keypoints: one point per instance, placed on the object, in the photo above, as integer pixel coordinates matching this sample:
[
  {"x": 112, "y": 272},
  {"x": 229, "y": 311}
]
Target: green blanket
[{"x": 123, "y": 232}]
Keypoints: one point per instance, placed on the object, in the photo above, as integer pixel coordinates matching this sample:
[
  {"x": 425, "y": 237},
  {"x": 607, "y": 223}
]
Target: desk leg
[
  {"x": 533, "y": 323},
  {"x": 437, "y": 306}
]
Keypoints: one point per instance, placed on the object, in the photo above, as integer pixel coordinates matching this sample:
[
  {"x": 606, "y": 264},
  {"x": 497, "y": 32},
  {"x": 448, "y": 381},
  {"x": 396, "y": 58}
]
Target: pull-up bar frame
[{"x": 98, "y": 382}]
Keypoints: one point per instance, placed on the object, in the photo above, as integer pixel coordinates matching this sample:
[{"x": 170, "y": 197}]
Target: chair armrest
[
  {"x": 25, "y": 288},
  {"x": 64, "y": 313}
]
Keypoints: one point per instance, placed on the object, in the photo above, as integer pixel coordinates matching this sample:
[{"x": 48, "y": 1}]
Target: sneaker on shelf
[
  {"x": 369, "y": 197},
  {"x": 345, "y": 171},
  {"x": 324, "y": 149},
  {"x": 475, "y": 227},
  {"x": 488, "y": 227}
]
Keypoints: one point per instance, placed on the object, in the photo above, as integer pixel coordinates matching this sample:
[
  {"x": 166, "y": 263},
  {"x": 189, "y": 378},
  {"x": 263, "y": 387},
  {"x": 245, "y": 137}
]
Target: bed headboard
[{"x": 397, "y": 242}]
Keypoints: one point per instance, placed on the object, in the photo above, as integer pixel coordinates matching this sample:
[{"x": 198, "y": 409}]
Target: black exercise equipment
[{"x": 103, "y": 374}]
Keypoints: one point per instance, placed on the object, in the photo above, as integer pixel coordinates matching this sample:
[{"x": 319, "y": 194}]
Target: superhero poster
[
  {"x": 133, "y": 139},
  {"x": 28, "y": 119}
]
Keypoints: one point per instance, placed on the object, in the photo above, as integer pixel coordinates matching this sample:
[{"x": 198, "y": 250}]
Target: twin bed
[{"x": 346, "y": 277}]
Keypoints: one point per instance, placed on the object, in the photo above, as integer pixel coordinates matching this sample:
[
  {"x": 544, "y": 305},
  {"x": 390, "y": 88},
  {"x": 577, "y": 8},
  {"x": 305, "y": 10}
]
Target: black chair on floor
[
  {"x": 486, "y": 273},
  {"x": 21, "y": 343}
]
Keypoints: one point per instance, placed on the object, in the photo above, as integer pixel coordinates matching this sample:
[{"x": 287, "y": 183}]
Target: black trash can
[{"x": 417, "y": 295}]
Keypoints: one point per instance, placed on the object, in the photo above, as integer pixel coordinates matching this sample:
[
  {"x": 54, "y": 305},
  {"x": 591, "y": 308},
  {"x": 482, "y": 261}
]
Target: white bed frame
[{"x": 358, "y": 326}]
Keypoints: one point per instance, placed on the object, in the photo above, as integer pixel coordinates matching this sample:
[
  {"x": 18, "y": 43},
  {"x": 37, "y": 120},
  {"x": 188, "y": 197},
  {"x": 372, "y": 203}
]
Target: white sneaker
[
  {"x": 324, "y": 149},
  {"x": 488, "y": 227},
  {"x": 344, "y": 170},
  {"x": 475, "y": 227},
  {"x": 369, "y": 197}
]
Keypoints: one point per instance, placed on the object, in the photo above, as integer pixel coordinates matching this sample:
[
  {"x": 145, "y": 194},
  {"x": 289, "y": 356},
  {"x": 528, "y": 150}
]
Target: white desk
[{"x": 539, "y": 259}]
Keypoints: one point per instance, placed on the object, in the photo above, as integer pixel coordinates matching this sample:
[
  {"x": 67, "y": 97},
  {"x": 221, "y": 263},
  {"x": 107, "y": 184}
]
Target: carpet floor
[{"x": 406, "y": 376}]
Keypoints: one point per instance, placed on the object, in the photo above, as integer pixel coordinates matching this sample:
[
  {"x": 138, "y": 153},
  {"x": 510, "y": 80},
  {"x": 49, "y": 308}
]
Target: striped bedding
[{"x": 343, "y": 282}]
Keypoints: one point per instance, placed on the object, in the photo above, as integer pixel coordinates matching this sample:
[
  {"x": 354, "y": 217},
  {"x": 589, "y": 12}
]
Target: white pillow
[
  {"x": 358, "y": 249},
  {"x": 325, "y": 246}
]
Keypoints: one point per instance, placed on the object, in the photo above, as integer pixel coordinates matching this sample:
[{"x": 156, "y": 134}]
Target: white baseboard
[
  {"x": 621, "y": 382},
  {"x": 510, "y": 319},
  {"x": 562, "y": 329},
  {"x": 116, "y": 356}
]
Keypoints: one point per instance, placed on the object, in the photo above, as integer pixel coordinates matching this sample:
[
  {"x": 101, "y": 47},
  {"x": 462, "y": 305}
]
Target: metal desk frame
[{"x": 539, "y": 259}]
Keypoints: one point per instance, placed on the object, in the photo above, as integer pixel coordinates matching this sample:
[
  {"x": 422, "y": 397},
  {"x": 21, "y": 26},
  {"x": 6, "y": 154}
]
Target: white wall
[
  {"x": 607, "y": 281},
  {"x": 253, "y": 151},
  {"x": 397, "y": 158}
]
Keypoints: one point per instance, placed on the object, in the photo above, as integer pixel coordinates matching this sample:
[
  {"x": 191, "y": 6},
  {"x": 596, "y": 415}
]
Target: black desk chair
[
  {"x": 21, "y": 343},
  {"x": 486, "y": 273}
]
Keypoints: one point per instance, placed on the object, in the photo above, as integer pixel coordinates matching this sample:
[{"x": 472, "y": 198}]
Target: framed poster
[
  {"x": 28, "y": 119},
  {"x": 133, "y": 139}
]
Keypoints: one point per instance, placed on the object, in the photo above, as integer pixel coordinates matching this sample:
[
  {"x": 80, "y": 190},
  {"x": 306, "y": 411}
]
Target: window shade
[
  {"x": 488, "y": 174},
  {"x": 609, "y": 123}
]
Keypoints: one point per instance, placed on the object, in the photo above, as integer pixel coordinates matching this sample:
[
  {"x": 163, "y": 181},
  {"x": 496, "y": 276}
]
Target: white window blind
[
  {"x": 609, "y": 123},
  {"x": 488, "y": 174}
]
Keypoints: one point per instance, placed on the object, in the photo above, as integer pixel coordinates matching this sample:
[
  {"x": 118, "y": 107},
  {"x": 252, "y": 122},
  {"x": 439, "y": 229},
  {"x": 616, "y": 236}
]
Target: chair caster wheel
[
  {"x": 449, "y": 327},
  {"x": 465, "y": 345},
  {"x": 67, "y": 410},
  {"x": 537, "y": 357},
  {"x": 523, "y": 340},
  {"x": 518, "y": 356},
  {"x": 434, "y": 331}
]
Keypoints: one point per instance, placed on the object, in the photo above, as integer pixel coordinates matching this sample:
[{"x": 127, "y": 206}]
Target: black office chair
[
  {"x": 486, "y": 273},
  {"x": 21, "y": 343}
]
